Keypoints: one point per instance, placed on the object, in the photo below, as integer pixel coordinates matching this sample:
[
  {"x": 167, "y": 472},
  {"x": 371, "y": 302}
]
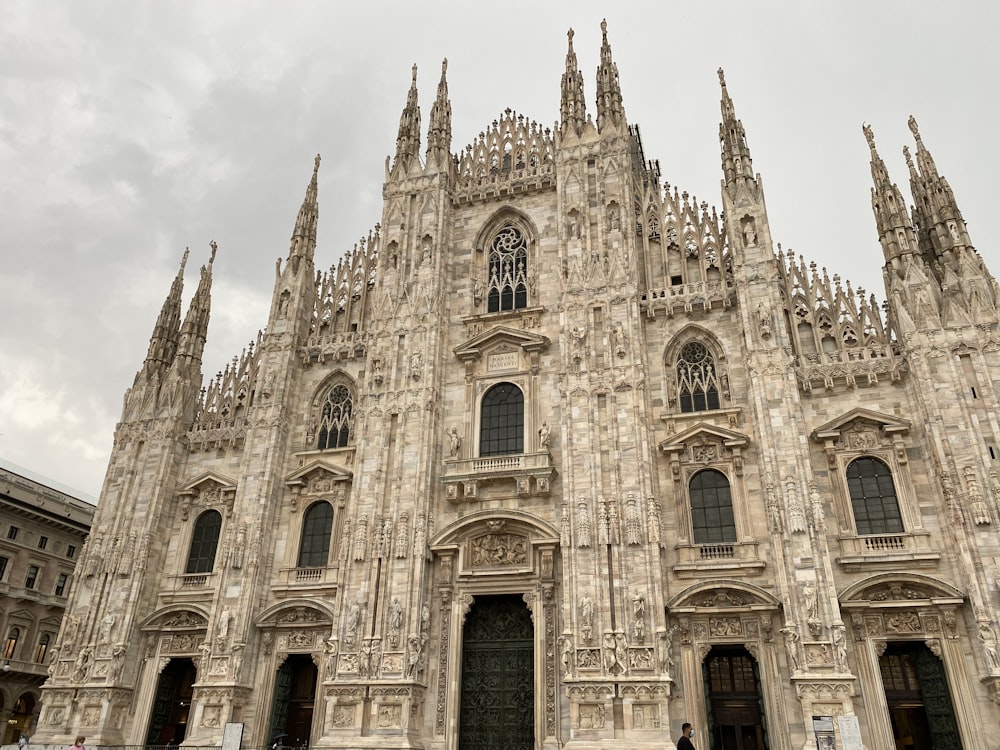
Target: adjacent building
[
  {"x": 558, "y": 456},
  {"x": 42, "y": 532}
]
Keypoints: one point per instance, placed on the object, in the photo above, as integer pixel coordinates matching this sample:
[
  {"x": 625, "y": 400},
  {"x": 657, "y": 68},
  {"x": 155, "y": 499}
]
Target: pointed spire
[
  {"x": 936, "y": 211},
  {"x": 408, "y": 140},
  {"x": 736, "y": 163},
  {"x": 303, "y": 243},
  {"x": 439, "y": 128},
  {"x": 609, "y": 94},
  {"x": 572, "y": 106},
  {"x": 163, "y": 342},
  {"x": 894, "y": 228},
  {"x": 194, "y": 330}
]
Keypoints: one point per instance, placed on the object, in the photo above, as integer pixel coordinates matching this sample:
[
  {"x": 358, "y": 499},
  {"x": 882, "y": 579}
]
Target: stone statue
[
  {"x": 544, "y": 433},
  {"x": 454, "y": 443},
  {"x": 792, "y": 647},
  {"x": 587, "y": 617}
]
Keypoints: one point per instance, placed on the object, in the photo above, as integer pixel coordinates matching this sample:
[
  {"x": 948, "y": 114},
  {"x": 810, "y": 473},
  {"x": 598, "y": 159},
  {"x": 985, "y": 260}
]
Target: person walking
[
  {"x": 684, "y": 741},
  {"x": 78, "y": 743},
  {"x": 23, "y": 742}
]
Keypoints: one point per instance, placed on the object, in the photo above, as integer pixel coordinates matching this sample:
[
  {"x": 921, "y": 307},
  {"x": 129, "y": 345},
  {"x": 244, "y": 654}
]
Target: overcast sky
[{"x": 130, "y": 130}]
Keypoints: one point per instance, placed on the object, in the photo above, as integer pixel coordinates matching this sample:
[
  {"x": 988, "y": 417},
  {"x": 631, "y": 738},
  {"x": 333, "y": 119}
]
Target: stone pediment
[
  {"x": 886, "y": 423},
  {"x": 207, "y": 482},
  {"x": 500, "y": 339},
  {"x": 318, "y": 476},
  {"x": 912, "y": 589},
  {"x": 702, "y": 432},
  {"x": 722, "y": 594}
]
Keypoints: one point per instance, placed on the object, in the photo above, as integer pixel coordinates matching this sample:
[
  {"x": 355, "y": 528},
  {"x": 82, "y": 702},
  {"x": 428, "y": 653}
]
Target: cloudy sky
[{"x": 130, "y": 130}]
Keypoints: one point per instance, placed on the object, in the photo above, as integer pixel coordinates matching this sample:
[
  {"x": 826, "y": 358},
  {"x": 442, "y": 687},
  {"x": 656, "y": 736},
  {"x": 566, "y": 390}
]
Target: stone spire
[
  {"x": 610, "y": 112},
  {"x": 408, "y": 139},
  {"x": 163, "y": 342},
  {"x": 736, "y": 163},
  {"x": 194, "y": 330},
  {"x": 303, "y": 243},
  {"x": 942, "y": 229},
  {"x": 439, "y": 128},
  {"x": 895, "y": 231},
  {"x": 572, "y": 106}
]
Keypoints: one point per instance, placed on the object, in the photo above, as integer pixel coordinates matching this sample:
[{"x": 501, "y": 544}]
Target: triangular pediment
[
  {"x": 885, "y": 422},
  {"x": 209, "y": 480},
  {"x": 703, "y": 431},
  {"x": 320, "y": 470},
  {"x": 510, "y": 339}
]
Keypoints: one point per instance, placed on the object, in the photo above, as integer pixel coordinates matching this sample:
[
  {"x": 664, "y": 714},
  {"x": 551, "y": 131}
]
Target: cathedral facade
[{"x": 558, "y": 456}]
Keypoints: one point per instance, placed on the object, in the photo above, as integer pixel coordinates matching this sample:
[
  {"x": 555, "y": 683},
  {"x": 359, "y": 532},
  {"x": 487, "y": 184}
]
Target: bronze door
[
  {"x": 916, "y": 694},
  {"x": 498, "y": 697},
  {"x": 735, "y": 716}
]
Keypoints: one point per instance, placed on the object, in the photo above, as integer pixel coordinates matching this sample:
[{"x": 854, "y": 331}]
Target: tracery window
[
  {"x": 712, "y": 520},
  {"x": 873, "y": 497},
  {"x": 501, "y": 427},
  {"x": 314, "y": 548},
  {"x": 204, "y": 542},
  {"x": 508, "y": 270},
  {"x": 336, "y": 418},
  {"x": 697, "y": 378}
]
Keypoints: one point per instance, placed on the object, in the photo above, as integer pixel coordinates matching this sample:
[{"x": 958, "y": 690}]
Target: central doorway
[
  {"x": 732, "y": 687},
  {"x": 498, "y": 676},
  {"x": 294, "y": 700},
  {"x": 916, "y": 694},
  {"x": 172, "y": 704}
]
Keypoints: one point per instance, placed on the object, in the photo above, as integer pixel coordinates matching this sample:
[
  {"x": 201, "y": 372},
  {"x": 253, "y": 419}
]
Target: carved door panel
[
  {"x": 937, "y": 701},
  {"x": 497, "y": 697},
  {"x": 279, "y": 706}
]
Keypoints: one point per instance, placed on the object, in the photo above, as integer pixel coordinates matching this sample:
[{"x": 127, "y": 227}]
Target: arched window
[
  {"x": 508, "y": 277},
  {"x": 11, "y": 643},
  {"x": 873, "y": 497},
  {"x": 336, "y": 418},
  {"x": 204, "y": 542},
  {"x": 314, "y": 549},
  {"x": 712, "y": 519},
  {"x": 501, "y": 428},
  {"x": 697, "y": 378},
  {"x": 42, "y": 649}
]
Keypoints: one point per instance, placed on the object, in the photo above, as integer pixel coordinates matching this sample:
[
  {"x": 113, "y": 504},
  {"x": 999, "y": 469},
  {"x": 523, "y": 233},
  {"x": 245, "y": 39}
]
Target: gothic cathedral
[{"x": 559, "y": 456}]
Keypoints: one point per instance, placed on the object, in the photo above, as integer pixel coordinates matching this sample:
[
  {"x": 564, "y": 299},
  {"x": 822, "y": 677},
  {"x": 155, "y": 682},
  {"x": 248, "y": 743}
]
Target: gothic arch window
[
  {"x": 501, "y": 425},
  {"x": 11, "y": 643},
  {"x": 508, "y": 269},
  {"x": 873, "y": 497},
  {"x": 712, "y": 520},
  {"x": 314, "y": 547},
  {"x": 336, "y": 418},
  {"x": 697, "y": 378},
  {"x": 204, "y": 542}
]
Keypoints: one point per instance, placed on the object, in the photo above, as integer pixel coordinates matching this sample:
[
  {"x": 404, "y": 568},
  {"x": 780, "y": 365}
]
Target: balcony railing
[
  {"x": 698, "y": 559},
  {"x": 893, "y": 550},
  {"x": 532, "y": 473}
]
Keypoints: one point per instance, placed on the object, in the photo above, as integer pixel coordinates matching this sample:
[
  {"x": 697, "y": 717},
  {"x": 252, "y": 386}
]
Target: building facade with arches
[
  {"x": 42, "y": 532},
  {"x": 558, "y": 456}
]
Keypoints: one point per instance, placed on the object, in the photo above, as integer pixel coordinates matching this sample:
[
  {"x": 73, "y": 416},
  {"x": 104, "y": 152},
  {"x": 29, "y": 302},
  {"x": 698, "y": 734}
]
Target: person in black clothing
[{"x": 683, "y": 742}]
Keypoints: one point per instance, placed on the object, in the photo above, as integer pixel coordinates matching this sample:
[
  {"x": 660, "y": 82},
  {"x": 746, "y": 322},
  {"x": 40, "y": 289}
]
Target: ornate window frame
[
  {"x": 318, "y": 405},
  {"x": 691, "y": 335},
  {"x": 208, "y": 491},
  {"x": 699, "y": 447},
  {"x": 862, "y": 433},
  {"x": 485, "y": 282}
]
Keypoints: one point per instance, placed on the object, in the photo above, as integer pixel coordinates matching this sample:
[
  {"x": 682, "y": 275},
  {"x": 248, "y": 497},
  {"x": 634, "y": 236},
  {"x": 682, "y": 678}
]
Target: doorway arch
[
  {"x": 733, "y": 699},
  {"x": 294, "y": 701}
]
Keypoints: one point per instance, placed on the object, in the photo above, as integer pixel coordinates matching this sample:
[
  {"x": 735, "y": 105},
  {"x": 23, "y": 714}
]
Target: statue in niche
[
  {"x": 395, "y": 615},
  {"x": 566, "y": 654},
  {"x": 840, "y": 647},
  {"x": 749, "y": 233},
  {"x": 764, "y": 320},
  {"x": 639, "y": 615},
  {"x": 587, "y": 617}
]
